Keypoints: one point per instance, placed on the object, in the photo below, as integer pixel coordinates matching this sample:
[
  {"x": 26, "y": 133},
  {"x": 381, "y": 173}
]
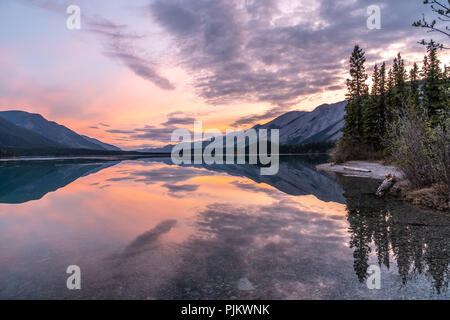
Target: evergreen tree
[
  {"x": 435, "y": 97},
  {"x": 382, "y": 102},
  {"x": 400, "y": 90},
  {"x": 375, "y": 129},
  {"x": 371, "y": 114},
  {"x": 390, "y": 101},
  {"x": 357, "y": 93},
  {"x": 414, "y": 89}
]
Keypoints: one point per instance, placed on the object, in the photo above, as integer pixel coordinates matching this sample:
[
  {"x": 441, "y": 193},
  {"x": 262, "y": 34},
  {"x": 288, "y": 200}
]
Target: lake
[{"x": 148, "y": 229}]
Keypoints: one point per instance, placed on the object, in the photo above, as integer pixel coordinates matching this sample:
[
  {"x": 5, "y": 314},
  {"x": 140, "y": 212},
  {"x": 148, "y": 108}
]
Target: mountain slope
[
  {"x": 105, "y": 146},
  {"x": 15, "y": 136},
  {"x": 325, "y": 123},
  {"x": 49, "y": 129}
]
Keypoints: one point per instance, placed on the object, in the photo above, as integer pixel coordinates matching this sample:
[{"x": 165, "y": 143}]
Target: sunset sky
[{"x": 138, "y": 69}]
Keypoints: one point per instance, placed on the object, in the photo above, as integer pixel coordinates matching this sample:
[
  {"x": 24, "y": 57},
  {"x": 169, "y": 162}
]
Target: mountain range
[
  {"x": 23, "y": 130},
  {"x": 19, "y": 129},
  {"x": 323, "y": 124}
]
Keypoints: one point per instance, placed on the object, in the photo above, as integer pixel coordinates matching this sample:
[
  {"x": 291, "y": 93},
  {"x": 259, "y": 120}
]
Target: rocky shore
[{"x": 427, "y": 197}]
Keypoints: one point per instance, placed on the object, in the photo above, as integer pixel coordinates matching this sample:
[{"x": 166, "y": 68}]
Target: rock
[
  {"x": 245, "y": 285},
  {"x": 386, "y": 185},
  {"x": 400, "y": 187}
]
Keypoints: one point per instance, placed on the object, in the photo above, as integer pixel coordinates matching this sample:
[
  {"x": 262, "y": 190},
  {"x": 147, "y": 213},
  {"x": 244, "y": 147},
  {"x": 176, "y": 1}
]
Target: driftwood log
[
  {"x": 356, "y": 169},
  {"x": 387, "y": 184}
]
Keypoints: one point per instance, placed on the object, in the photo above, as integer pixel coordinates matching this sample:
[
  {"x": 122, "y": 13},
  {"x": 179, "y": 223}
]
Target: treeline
[
  {"x": 405, "y": 117},
  {"x": 60, "y": 152},
  {"x": 6, "y": 153},
  {"x": 371, "y": 115}
]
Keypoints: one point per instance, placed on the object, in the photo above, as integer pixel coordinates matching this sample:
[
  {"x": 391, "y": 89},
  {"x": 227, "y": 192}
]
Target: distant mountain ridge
[
  {"x": 14, "y": 136},
  {"x": 323, "y": 124},
  {"x": 20, "y": 129},
  {"x": 105, "y": 146},
  {"x": 31, "y": 130}
]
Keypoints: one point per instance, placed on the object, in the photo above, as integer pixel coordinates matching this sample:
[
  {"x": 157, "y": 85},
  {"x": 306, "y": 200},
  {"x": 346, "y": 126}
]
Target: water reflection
[
  {"x": 419, "y": 241},
  {"x": 152, "y": 230},
  {"x": 284, "y": 251},
  {"x": 26, "y": 181}
]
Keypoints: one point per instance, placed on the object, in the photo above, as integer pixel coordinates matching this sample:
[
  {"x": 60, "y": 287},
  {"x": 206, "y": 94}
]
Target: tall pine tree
[
  {"x": 382, "y": 102},
  {"x": 357, "y": 94},
  {"x": 375, "y": 112},
  {"x": 435, "y": 98},
  {"x": 371, "y": 115},
  {"x": 414, "y": 89},
  {"x": 400, "y": 90}
]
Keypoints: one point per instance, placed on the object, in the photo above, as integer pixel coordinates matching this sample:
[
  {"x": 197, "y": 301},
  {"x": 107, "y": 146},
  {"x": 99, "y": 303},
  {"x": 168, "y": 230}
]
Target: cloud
[
  {"x": 162, "y": 133},
  {"x": 119, "y": 131},
  {"x": 153, "y": 133},
  {"x": 177, "y": 118},
  {"x": 119, "y": 43},
  {"x": 261, "y": 51},
  {"x": 271, "y": 113}
]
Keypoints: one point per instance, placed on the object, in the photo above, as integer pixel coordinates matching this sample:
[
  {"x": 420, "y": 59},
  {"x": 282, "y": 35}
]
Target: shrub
[{"x": 422, "y": 151}]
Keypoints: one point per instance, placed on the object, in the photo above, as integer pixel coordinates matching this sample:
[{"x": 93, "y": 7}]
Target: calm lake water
[{"x": 149, "y": 229}]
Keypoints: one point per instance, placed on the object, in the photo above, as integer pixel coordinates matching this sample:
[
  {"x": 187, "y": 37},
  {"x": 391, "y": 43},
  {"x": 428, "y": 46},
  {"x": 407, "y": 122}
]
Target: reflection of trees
[{"x": 418, "y": 240}]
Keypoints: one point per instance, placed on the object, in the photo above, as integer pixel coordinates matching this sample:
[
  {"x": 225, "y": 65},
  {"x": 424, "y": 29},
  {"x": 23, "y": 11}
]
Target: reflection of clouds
[
  {"x": 169, "y": 174},
  {"x": 293, "y": 178},
  {"x": 145, "y": 240},
  {"x": 120, "y": 179},
  {"x": 170, "y": 177},
  {"x": 266, "y": 244},
  {"x": 252, "y": 187},
  {"x": 179, "y": 191}
]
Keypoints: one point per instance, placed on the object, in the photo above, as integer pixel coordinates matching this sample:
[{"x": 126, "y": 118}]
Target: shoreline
[
  {"x": 362, "y": 169},
  {"x": 425, "y": 197},
  {"x": 88, "y": 157}
]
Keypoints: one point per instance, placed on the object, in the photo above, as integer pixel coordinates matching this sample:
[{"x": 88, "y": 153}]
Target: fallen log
[
  {"x": 387, "y": 184},
  {"x": 357, "y": 169}
]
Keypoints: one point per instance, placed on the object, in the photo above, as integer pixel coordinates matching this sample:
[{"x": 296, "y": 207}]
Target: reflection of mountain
[
  {"x": 418, "y": 240},
  {"x": 294, "y": 178},
  {"x": 33, "y": 180}
]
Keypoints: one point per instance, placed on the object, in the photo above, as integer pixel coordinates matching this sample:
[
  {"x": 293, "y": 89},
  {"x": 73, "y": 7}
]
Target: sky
[{"x": 138, "y": 69}]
